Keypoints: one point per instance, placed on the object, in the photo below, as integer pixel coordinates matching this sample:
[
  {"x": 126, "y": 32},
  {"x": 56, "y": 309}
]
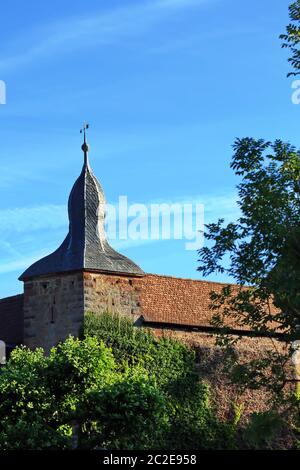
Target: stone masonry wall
[
  {"x": 113, "y": 293},
  {"x": 209, "y": 365},
  {"x": 54, "y": 306},
  {"x": 53, "y": 309}
]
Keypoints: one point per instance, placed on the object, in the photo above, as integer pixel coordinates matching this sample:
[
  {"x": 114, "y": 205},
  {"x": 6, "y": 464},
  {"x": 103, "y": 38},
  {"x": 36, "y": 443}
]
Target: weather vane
[
  {"x": 85, "y": 146},
  {"x": 84, "y": 128}
]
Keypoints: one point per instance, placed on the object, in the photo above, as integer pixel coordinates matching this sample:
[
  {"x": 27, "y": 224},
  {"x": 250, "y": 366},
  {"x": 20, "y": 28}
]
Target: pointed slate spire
[{"x": 86, "y": 246}]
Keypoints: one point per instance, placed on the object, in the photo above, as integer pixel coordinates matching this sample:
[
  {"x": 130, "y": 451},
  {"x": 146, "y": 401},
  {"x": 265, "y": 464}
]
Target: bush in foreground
[
  {"x": 76, "y": 398},
  {"x": 117, "y": 388}
]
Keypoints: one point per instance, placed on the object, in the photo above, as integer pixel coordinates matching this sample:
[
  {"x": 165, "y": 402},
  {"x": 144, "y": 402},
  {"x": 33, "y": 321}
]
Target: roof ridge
[{"x": 191, "y": 279}]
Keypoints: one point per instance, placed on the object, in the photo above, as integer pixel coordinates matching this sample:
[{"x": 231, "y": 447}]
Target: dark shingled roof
[{"x": 85, "y": 246}]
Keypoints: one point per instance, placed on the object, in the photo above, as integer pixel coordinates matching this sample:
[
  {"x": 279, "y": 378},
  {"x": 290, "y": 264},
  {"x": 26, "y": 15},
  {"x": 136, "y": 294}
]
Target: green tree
[
  {"x": 76, "y": 397},
  {"x": 291, "y": 38},
  {"x": 263, "y": 249},
  {"x": 84, "y": 395},
  {"x": 88, "y": 395},
  {"x": 191, "y": 420},
  {"x": 262, "y": 429},
  {"x": 167, "y": 360}
]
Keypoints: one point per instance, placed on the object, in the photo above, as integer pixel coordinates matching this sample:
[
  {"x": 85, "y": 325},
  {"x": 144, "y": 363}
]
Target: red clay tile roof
[
  {"x": 166, "y": 299},
  {"x": 174, "y": 300},
  {"x": 11, "y": 319}
]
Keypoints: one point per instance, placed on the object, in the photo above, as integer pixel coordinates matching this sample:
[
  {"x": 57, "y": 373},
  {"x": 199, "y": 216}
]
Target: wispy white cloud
[
  {"x": 50, "y": 216},
  {"x": 193, "y": 41},
  {"x": 28, "y": 219},
  {"x": 20, "y": 264},
  {"x": 100, "y": 28},
  {"x": 216, "y": 205},
  {"x": 26, "y": 232}
]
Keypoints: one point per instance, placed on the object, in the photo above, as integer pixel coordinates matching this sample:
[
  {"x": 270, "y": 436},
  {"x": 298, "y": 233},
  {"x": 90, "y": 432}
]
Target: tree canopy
[
  {"x": 140, "y": 393},
  {"x": 291, "y": 38},
  {"x": 260, "y": 252}
]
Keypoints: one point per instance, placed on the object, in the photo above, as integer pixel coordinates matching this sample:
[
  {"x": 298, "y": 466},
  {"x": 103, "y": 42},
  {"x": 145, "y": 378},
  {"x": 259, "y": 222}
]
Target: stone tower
[{"x": 84, "y": 274}]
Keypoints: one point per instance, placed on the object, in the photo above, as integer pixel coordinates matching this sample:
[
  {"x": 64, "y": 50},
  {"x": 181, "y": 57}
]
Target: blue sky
[{"x": 167, "y": 85}]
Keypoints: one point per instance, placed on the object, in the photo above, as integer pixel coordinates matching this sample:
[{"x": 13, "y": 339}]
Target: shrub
[
  {"x": 262, "y": 430},
  {"x": 192, "y": 423},
  {"x": 76, "y": 397},
  {"x": 120, "y": 388},
  {"x": 169, "y": 361}
]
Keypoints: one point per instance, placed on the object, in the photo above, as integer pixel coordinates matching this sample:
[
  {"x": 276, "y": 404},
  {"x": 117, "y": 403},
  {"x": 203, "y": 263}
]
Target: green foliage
[
  {"x": 191, "y": 421},
  {"x": 291, "y": 38},
  {"x": 264, "y": 255},
  {"x": 169, "y": 361},
  {"x": 135, "y": 391},
  {"x": 263, "y": 249},
  {"x": 130, "y": 414},
  {"x": 193, "y": 424},
  {"x": 87, "y": 395},
  {"x": 262, "y": 430},
  {"x": 75, "y": 397}
]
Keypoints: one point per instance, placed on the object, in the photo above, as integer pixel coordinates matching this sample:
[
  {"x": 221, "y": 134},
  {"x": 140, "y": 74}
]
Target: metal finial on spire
[
  {"x": 86, "y": 246},
  {"x": 85, "y": 146}
]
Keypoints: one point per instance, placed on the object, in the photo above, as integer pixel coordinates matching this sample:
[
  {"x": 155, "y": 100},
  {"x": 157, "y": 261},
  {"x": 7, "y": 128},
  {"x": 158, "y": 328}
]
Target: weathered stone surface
[
  {"x": 209, "y": 366},
  {"x": 54, "y": 306},
  {"x": 116, "y": 294},
  {"x": 50, "y": 307}
]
